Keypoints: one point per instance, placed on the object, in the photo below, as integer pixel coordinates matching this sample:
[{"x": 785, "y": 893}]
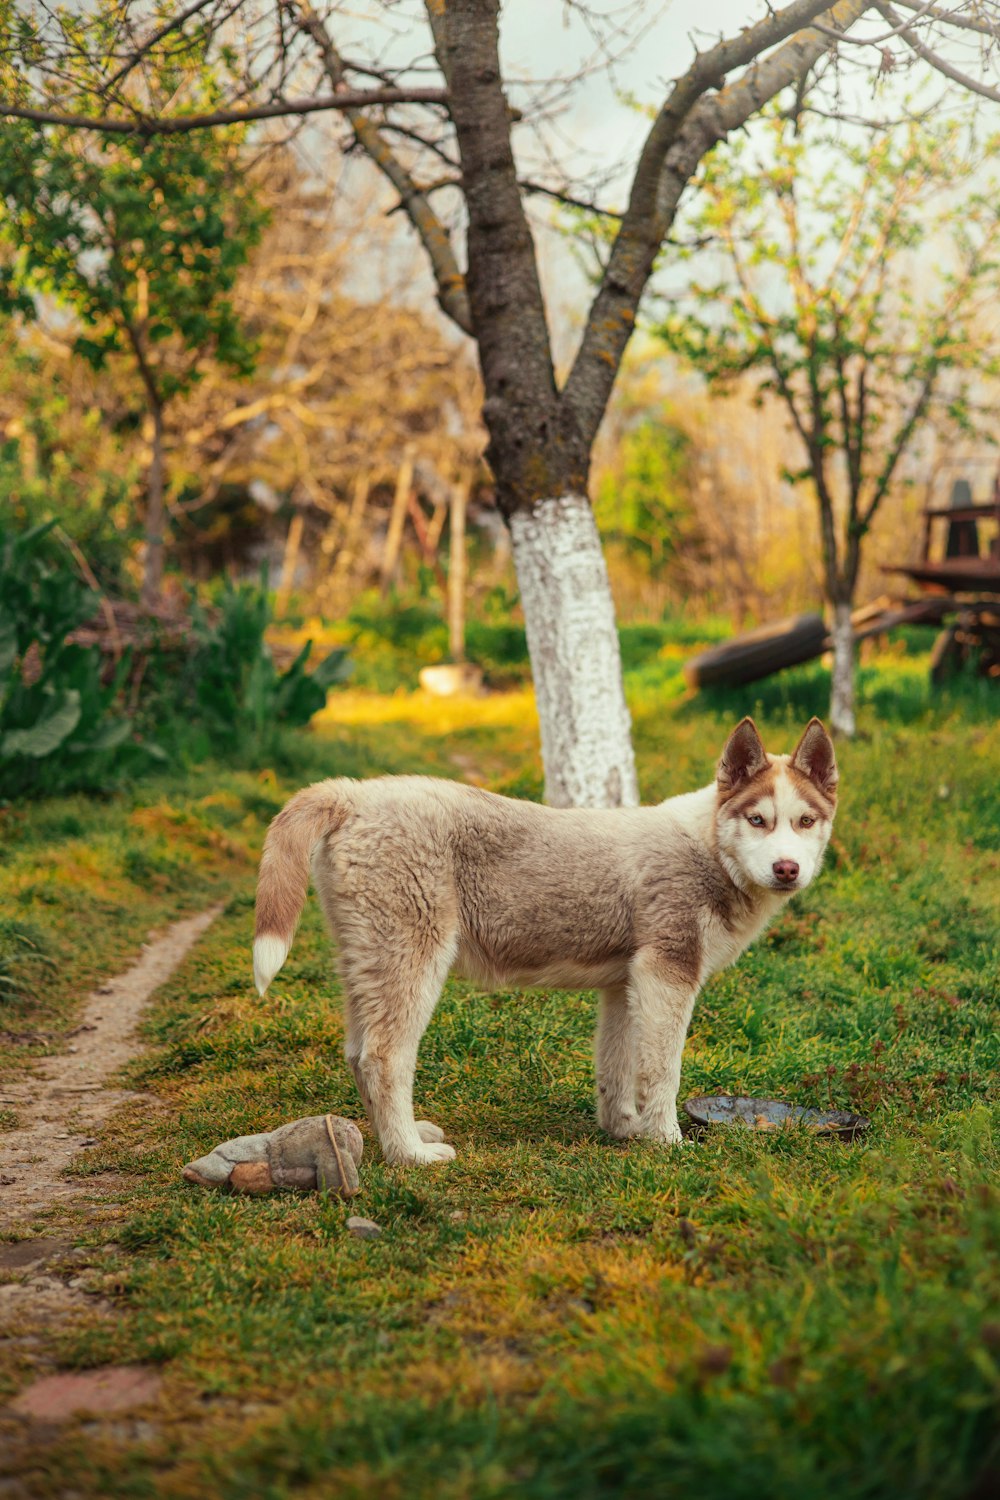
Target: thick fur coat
[{"x": 419, "y": 877}]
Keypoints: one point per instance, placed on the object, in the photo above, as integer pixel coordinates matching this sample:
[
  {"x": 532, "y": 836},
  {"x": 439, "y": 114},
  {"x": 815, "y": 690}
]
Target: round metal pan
[{"x": 772, "y": 1114}]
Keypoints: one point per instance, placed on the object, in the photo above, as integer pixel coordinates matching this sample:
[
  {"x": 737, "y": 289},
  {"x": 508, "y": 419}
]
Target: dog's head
[{"x": 774, "y": 813}]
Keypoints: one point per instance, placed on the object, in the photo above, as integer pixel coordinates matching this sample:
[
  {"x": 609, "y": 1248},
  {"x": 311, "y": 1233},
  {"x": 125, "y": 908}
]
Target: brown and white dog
[{"x": 419, "y": 877}]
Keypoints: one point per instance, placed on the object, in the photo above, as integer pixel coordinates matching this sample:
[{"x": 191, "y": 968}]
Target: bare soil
[{"x": 61, "y": 1108}]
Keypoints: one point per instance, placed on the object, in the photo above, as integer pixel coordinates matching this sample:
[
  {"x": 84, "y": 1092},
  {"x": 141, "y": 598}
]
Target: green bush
[
  {"x": 57, "y": 728},
  {"x": 229, "y": 686}
]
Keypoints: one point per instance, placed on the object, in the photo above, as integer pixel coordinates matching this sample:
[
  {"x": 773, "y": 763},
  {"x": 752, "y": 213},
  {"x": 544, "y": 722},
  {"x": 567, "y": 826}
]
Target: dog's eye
[
  {"x": 755, "y": 820},
  {"x": 807, "y": 822}
]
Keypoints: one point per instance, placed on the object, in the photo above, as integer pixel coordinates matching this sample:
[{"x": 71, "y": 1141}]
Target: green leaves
[
  {"x": 644, "y": 502},
  {"x": 57, "y": 727},
  {"x": 231, "y": 683},
  {"x": 141, "y": 240},
  {"x": 55, "y": 724},
  {"x": 820, "y": 283}
]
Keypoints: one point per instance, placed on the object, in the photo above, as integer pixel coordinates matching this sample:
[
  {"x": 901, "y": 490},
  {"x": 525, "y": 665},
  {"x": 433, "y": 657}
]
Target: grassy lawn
[{"x": 553, "y": 1315}]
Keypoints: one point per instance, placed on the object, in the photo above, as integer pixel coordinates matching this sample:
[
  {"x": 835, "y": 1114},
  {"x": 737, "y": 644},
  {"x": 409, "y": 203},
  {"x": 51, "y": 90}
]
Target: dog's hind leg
[
  {"x": 386, "y": 1017},
  {"x": 615, "y": 1059}
]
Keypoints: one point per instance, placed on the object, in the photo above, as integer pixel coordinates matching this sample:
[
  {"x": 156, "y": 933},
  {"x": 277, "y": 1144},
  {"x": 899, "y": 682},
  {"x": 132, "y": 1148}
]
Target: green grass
[{"x": 554, "y": 1315}]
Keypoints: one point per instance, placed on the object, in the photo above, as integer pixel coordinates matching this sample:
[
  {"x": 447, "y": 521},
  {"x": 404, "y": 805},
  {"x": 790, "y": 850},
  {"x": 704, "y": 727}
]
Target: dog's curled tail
[{"x": 284, "y": 871}]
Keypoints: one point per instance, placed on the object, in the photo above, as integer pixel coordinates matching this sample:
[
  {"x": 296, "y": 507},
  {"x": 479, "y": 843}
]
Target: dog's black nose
[{"x": 786, "y": 871}]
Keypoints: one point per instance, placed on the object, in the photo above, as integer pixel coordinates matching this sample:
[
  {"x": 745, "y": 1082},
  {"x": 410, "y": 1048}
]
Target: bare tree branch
[
  {"x": 148, "y": 125},
  {"x": 940, "y": 64},
  {"x": 684, "y": 131},
  {"x": 872, "y": 41},
  {"x": 159, "y": 34},
  {"x": 954, "y": 18},
  {"x": 448, "y": 278},
  {"x": 569, "y": 200}
]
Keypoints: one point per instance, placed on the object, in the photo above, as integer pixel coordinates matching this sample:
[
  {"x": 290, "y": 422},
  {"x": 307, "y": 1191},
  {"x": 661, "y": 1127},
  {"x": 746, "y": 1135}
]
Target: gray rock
[{"x": 363, "y": 1229}]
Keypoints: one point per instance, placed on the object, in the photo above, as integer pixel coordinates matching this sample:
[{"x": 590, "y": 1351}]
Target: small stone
[{"x": 363, "y": 1229}]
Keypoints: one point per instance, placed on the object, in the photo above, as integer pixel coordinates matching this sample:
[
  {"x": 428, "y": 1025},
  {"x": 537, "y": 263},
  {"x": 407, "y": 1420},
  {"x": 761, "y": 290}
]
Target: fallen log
[{"x": 758, "y": 653}]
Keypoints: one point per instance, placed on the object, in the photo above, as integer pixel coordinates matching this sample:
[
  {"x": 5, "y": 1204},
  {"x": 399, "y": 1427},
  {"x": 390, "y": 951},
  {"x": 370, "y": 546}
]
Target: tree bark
[
  {"x": 575, "y": 658},
  {"x": 538, "y": 454},
  {"x": 152, "y": 578},
  {"x": 456, "y": 574},
  {"x": 397, "y": 520},
  {"x": 842, "y": 689},
  {"x": 289, "y": 563}
]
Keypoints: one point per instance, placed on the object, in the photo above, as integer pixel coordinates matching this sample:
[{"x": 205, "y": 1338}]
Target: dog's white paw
[
  {"x": 664, "y": 1133},
  {"x": 619, "y": 1124},
  {"x": 432, "y": 1153},
  {"x": 429, "y": 1132}
]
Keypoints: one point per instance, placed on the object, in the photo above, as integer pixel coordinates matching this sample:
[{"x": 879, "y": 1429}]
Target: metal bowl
[{"x": 772, "y": 1114}]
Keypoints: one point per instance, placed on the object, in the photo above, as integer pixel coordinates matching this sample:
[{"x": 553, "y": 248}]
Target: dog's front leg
[
  {"x": 662, "y": 992},
  {"x": 615, "y": 1064}
]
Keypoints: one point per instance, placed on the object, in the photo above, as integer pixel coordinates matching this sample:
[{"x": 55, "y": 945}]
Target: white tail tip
[{"x": 269, "y": 953}]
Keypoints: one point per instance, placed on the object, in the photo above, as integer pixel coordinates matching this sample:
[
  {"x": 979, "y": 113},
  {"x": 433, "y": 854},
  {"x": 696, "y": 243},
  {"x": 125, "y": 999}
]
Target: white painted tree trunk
[
  {"x": 575, "y": 657},
  {"x": 842, "y": 695}
]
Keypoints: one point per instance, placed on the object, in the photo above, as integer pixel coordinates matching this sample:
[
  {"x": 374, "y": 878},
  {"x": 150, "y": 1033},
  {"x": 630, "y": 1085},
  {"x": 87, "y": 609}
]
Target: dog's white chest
[{"x": 722, "y": 945}]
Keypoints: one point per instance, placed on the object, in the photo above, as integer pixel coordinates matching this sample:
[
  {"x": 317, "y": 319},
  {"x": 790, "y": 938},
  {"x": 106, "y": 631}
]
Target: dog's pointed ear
[
  {"x": 814, "y": 757},
  {"x": 742, "y": 758}
]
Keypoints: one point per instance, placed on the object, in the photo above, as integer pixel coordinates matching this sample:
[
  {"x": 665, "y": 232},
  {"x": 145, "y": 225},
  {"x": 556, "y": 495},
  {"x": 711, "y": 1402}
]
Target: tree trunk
[
  {"x": 347, "y": 555},
  {"x": 289, "y": 563},
  {"x": 456, "y": 574},
  {"x": 575, "y": 658},
  {"x": 539, "y": 454},
  {"x": 842, "y": 694},
  {"x": 152, "y": 578},
  {"x": 397, "y": 520}
]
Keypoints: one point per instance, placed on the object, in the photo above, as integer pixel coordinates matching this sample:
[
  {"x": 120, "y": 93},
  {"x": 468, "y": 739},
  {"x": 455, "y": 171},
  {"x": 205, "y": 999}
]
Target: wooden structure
[
  {"x": 967, "y": 575},
  {"x": 960, "y": 591},
  {"x": 800, "y": 638}
]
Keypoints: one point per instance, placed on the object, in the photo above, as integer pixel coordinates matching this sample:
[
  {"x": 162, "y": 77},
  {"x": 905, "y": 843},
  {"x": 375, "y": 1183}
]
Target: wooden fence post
[
  {"x": 347, "y": 555},
  {"x": 394, "y": 535},
  {"x": 456, "y": 572},
  {"x": 292, "y": 543}
]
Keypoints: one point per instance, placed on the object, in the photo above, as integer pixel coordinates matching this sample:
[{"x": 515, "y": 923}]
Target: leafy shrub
[
  {"x": 57, "y": 729},
  {"x": 62, "y": 460},
  {"x": 230, "y": 685}
]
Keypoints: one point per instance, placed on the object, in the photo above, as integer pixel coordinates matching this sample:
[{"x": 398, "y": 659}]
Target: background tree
[
  {"x": 858, "y": 283},
  {"x": 345, "y": 385},
  {"x": 141, "y": 242},
  {"x": 541, "y": 431}
]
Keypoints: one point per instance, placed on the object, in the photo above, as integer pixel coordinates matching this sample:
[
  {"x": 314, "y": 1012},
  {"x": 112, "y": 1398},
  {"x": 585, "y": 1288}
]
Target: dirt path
[{"x": 62, "y": 1107}]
